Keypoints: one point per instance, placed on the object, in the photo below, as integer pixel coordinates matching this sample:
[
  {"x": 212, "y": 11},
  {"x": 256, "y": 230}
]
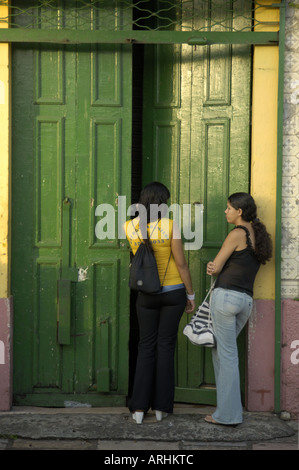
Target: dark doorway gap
[{"x": 136, "y": 178}]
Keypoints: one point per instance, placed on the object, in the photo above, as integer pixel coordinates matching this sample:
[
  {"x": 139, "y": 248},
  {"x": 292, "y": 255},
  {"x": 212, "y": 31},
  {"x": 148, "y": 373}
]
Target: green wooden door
[
  {"x": 71, "y": 153},
  {"x": 196, "y": 141}
]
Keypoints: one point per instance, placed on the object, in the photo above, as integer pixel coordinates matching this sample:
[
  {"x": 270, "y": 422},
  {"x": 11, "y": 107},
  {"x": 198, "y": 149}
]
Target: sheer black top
[{"x": 240, "y": 269}]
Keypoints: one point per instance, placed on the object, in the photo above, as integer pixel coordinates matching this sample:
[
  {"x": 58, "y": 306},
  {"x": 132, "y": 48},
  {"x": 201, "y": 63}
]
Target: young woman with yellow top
[{"x": 158, "y": 314}]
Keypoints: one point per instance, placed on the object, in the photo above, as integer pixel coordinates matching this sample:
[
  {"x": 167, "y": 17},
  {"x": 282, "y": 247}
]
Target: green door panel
[
  {"x": 71, "y": 152},
  {"x": 196, "y": 123}
]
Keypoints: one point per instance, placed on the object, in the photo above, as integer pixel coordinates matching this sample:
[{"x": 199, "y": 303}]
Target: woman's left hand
[
  {"x": 211, "y": 268},
  {"x": 190, "y": 306}
]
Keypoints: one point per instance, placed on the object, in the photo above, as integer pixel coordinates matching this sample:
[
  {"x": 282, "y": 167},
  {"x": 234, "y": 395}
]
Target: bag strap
[
  {"x": 166, "y": 268},
  {"x": 136, "y": 231},
  {"x": 210, "y": 289},
  {"x": 209, "y": 320},
  {"x": 209, "y": 293}
]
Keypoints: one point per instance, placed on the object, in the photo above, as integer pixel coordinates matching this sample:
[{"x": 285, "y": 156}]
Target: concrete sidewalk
[{"x": 113, "y": 429}]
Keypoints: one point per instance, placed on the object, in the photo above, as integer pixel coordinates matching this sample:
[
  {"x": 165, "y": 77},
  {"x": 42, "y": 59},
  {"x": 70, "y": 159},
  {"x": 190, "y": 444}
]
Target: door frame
[{"x": 8, "y": 36}]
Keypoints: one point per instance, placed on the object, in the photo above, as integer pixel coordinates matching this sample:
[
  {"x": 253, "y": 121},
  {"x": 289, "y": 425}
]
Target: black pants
[{"x": 158, "y": 318}]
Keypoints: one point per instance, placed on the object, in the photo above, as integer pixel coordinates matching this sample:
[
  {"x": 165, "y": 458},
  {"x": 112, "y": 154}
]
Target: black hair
[
  {"x": 154, "y": 193},
  {"x": 157, "y": 194},
  {"x": 263, "y": 243}
]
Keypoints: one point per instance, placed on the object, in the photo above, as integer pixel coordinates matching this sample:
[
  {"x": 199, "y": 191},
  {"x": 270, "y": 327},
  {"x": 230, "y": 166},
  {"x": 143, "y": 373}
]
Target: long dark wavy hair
[
  {"x": 263, "y": 243},
  {"x": 154, "y": 193}
]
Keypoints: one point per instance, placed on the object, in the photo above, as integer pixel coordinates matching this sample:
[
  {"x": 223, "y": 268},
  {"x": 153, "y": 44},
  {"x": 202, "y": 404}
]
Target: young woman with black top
[{"x": 246, "y": 247}]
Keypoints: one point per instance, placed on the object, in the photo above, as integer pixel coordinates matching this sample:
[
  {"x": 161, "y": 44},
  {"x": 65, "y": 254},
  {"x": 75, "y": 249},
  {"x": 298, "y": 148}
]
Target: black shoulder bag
[{"x": 144, "y": 276}]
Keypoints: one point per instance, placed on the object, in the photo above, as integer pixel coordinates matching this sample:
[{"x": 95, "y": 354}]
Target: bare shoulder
[
  {"x": 236, "y": 239},
  {"x": 239, "y": 235},
  {"x": 236, "y": 234}
]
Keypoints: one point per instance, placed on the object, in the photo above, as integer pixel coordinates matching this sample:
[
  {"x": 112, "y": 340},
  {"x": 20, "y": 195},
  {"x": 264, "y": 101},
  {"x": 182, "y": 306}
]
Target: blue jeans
[{"x": 230, "y": 311}]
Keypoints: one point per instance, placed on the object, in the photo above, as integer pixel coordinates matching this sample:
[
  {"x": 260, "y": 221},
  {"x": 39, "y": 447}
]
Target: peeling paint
[
  {"x": 82, "y": 274},
  {"x": 2, "y": 353}
]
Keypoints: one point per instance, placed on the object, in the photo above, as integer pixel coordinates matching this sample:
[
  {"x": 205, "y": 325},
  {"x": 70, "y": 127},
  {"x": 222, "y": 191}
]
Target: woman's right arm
[{"x": 231, "y": 242}]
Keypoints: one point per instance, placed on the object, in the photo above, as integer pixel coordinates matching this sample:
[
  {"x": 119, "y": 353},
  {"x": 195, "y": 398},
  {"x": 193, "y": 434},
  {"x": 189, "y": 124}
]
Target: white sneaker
[
  {"x": 160, "y": 415},
  {"x": 138, "y": 416}
]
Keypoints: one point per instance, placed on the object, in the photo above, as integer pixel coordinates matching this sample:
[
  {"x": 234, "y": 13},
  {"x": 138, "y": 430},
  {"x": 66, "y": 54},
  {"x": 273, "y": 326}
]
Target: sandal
[{"x": 209, "y": 419}]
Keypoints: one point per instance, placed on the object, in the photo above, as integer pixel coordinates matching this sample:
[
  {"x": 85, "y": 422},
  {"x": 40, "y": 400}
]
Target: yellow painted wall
[
  {"x": 4, "y": 165},
  {"x": 264, "y": 142}
]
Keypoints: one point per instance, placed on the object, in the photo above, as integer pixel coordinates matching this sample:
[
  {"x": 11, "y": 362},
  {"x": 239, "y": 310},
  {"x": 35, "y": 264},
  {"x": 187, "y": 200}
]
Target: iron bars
[{"x": 140, "y": 21}]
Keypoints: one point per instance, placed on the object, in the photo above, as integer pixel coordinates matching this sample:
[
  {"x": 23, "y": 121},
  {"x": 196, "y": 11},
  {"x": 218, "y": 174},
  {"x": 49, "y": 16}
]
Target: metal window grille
[{"x": 145, "y": 15}]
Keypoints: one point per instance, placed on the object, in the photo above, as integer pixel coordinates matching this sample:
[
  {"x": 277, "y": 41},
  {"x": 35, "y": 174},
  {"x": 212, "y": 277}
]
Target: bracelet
[{"x": 191, "y": 296}]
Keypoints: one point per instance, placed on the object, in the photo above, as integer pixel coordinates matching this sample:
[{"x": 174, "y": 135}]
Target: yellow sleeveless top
[{"x": 160, "y": 234}]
